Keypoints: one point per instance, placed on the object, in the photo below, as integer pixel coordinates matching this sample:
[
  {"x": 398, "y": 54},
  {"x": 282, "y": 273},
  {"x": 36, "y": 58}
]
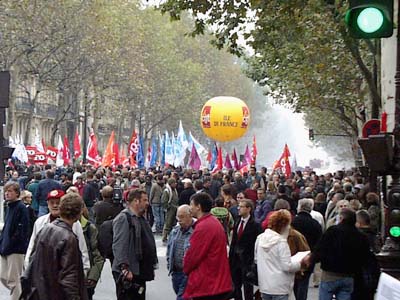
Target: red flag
[
  {"x": 92, "y": 154},
  {"x": 108, "y": 157},
  {"x": 283, "y": 163},
  {"x": 116, "y": 154},
  {"x": 209, "y": 156},
  {"x": 133, "y": 149},
  {"x": 219, "y": 158},
  {"x": 66, "y": 153},
  {"x": 254, "y": 151},
  {"x": 77, "y": 145},
  {"x": 235, "y": 160}
]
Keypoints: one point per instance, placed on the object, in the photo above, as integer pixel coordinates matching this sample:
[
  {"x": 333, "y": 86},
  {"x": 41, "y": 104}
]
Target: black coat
[
  {"x": 184, "y": 197},
  {"x": 310, "y": 228},
  {"x": 342, "y": 249},
  {"x": 241, "y": 252}
]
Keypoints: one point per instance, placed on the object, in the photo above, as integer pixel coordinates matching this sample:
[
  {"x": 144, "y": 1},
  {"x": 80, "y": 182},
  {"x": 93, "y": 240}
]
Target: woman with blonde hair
[{"x": 275, "y": 267}]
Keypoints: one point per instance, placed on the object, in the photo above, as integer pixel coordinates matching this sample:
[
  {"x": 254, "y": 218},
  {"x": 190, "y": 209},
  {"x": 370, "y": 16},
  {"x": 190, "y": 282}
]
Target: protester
[
  {"x": 272, "y": 254},
  {"x": 56, "y": 257},
  {"x": 178, "y": 243},
  {"x": 45, "y": 186},
  {"x": 96, "y": 260},
  {"x": 107, "y": 209},
  {"x": 14, "y": 240},
  {"x": 241, "y": 251},
  {"x": 342, "y": 251},
  {"x": 170, "y": 201},
  {"x": 134, "y": 249},
  {"x": 206, "y": 262},
  {"x": 184, "y": 197},
  {"x": 90, "y": 194},
  {"x": 53, "y": 201}
]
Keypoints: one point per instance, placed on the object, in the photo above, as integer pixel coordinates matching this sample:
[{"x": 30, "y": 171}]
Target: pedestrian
[
  {"x": 156, "y": 192},
  {"x": 342, "y": 251},
  {"x": 184, "y": 197},
  {"x": 134, "y": 249},
  {"x": 312, "y": 231},
  {"x": 90, "y": 193},
  {"x": 45, "y": 186},
  {"x": 206, "y": 261},
  {"x": 13, "y": 240},
  {"x": 241, "y": 251},
  {"x": 56, "y": 257},
  {"x": 107, "y": 209},
  {"x": 26, "y": 198},
  {"x": 275, "y": 267},
  {"x": 53, "y": 202},
  {"x": 170, "y": 201},
  {"x": 96, "y": 260},
  {"x": 32, "y": 187},
  {"x": 263, "y": 206},
  {"x": 178, "y": 243}
]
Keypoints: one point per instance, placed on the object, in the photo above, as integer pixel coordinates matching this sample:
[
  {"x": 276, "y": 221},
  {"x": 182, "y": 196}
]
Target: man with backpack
[
  {"x": 108, "y": 208},
  {"x": 134, "y": 248},
  {"x": 104, "y": 213}
]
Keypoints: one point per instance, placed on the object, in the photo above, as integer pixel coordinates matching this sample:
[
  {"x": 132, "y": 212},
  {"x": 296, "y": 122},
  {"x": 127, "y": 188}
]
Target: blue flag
[
  {"x": 162, "y": 150},
  {"x": 154, "y": 153},
  {"x": 140, "y": 154}
]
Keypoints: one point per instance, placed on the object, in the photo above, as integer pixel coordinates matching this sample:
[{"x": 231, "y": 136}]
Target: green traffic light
[
  {"x": 395, "y": 231},
  {"x": 370, "y": 20}
]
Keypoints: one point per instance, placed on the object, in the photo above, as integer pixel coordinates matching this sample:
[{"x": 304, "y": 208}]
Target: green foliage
[
  {"x": 130, "y": 65},
  {"x": 299, "y": 50}
]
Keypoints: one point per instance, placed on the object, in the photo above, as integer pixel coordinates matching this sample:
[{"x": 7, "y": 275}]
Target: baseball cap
[{"x": 55, "y": 194}]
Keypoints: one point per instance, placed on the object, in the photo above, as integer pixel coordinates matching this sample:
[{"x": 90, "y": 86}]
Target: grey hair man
[
  {"x": 312, "y": 231},
  {"x": 178, "y": 243}
]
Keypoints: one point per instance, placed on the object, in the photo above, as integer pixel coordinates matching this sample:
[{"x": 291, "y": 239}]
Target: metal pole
[{"x": 85, "y": 117}]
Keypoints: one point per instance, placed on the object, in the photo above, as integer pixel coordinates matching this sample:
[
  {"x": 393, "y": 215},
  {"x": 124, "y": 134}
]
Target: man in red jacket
[{"x": 206, "y": 261}]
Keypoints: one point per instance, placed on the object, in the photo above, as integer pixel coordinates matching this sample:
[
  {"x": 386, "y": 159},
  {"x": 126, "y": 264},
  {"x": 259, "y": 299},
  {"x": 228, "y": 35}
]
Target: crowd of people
[{"x": 228, "y": 235}]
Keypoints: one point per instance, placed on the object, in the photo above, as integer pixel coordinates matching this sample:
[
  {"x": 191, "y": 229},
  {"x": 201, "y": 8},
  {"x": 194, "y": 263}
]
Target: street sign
[{"x": 371, "y": 127}]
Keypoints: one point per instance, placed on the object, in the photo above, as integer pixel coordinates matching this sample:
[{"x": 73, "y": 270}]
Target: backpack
[
  {"x": 105, "y": 237},
  {"x": 117, "y": 195}
]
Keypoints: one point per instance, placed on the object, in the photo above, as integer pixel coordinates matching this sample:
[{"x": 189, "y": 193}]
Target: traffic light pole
[{"x": 389, "y": 257}]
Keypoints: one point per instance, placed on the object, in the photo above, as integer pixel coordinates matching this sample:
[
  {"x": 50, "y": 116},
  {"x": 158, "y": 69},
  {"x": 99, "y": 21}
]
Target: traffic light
[
  {"x": 394, "y": 213},
  {"x": 311, "y": 134},
  {"x": 367, "y": 19}
]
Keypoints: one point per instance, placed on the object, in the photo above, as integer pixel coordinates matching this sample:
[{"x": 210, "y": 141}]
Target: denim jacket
[{"x": 176, "y": 234}]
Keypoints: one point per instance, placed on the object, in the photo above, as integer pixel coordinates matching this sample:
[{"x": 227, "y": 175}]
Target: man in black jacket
[
  {"x": 312, "y": 231},
  {"x": 241, "y": 252},
  {"x": 342, "y": 251},
  {"x": 90, "y": 194}
]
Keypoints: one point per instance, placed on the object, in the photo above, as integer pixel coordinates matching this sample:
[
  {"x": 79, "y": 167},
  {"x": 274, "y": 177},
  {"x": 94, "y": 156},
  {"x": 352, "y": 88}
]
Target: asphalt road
[{"x": 159, "y": 289}]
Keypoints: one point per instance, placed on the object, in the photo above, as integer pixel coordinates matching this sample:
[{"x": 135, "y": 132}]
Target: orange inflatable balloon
[{"x": 225, "y": 119}]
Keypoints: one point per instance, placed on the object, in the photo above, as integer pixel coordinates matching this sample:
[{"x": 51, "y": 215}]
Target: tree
[{"x": 300, "y": 50}]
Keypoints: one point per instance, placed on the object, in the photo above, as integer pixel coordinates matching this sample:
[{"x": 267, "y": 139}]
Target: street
[{"x": 160, "y": 288}]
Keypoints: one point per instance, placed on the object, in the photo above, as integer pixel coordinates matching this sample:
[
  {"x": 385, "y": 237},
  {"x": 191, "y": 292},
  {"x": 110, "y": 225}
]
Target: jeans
[
  {"x": 301, "y": 286},
  {"x": 179, "y": 280},
  {"x": 158, "y": 212},
  {"x": 274, "y": 297},
  {"x": 341, "y": 288},
  {"x": 43, "y": 210}
]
